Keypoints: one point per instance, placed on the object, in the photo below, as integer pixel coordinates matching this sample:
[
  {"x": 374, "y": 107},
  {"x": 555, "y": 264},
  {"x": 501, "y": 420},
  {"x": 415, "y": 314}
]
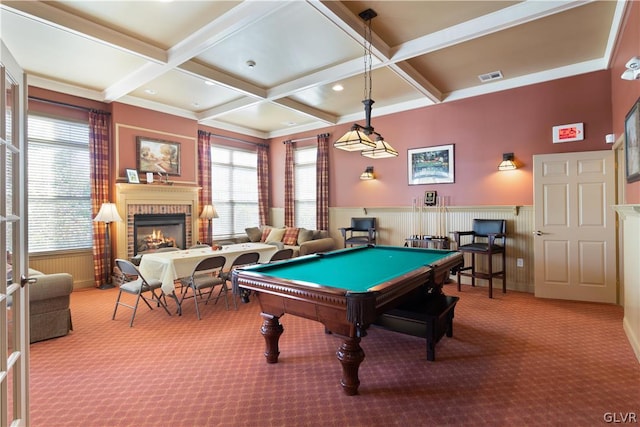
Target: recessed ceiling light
[
  {"x": 209, "y": 83},
  {"x": 338, "y": 87},
  {"x": 195, "y": 104},
  {"x": 251, "y": 63},
  {"x": 151, "y": 91}
]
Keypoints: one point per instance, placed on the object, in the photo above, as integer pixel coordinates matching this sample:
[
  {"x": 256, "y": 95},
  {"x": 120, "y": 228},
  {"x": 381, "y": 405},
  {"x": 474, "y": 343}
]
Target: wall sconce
[
  {"x": 507, "y": 163},
  {"x": 367, "y": 174}
]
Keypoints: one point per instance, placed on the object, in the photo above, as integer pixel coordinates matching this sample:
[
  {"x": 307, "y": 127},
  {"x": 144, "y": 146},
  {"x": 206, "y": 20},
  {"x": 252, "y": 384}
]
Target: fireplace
[{"x": 155, "y": 231}]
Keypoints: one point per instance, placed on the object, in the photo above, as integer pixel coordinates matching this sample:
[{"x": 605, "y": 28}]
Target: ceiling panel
[
  {"x": 284, "y": 46},
  {"x": 265, "y": 117}
]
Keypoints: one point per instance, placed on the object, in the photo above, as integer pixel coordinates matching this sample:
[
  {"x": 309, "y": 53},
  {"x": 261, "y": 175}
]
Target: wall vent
[{"x": 494, "y": 75}]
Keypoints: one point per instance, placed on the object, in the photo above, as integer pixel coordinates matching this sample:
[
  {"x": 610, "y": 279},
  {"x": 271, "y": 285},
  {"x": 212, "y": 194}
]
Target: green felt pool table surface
[{"x": 357, "y": 269}]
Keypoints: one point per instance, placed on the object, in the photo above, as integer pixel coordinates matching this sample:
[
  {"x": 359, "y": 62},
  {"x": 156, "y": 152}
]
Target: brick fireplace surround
[{"x": 134, "y": 199}]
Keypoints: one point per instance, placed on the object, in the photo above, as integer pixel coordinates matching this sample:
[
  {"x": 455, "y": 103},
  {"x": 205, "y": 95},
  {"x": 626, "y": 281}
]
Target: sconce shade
[
  {"x": 354, "y": 140},
  {"x": 108, "y": 213},
  {"x": 381, "y": 151},
  {"x": 208, "y": 212},
  {"x": 507, "y": 163},
  {"x": 367, "y": 174}
]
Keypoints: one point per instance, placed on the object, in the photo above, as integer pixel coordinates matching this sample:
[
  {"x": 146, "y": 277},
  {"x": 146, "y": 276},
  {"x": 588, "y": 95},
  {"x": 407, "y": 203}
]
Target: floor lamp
[
  {"x": 208, "y": 213},
  {"x": 108, "y": 213}
]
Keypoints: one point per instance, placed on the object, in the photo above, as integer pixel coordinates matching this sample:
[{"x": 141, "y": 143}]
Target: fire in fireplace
[{"x": 154, "y": 231}]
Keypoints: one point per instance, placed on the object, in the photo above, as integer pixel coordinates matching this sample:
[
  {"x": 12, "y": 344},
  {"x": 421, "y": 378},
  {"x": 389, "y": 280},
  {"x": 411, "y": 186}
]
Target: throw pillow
[
  {"x": 304, "y": 235},
  {"x": 290, "y": 236},
  {"x": 254, "y": 233},
  {"x": 265, "y": 234},
  {"x": 275, "y": 235}
]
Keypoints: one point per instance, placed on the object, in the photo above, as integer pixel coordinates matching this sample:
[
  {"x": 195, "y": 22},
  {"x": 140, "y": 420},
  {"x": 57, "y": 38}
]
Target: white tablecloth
[{"x": 170, "y": 266}]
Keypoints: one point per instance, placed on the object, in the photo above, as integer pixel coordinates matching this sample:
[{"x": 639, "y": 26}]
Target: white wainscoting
[
  {"x": 77, "y": 263},
  {"x": 630, "y": 225}
]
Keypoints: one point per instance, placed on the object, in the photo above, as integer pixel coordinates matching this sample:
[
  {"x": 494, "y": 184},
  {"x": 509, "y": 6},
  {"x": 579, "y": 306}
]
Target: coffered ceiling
[{"x": 268, "y": 68}]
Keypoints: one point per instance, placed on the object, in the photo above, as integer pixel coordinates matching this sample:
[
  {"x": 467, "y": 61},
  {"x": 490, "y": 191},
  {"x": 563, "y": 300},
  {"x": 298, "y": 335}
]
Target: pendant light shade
[
  {"x": 382, "y": 150},
  {"x": 354, "y": 140}
]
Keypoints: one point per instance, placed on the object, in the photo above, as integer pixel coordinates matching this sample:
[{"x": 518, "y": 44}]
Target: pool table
[{"x": 345, "y": 290}]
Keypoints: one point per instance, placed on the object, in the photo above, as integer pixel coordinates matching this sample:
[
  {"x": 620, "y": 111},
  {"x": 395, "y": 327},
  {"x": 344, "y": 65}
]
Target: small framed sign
[
  {"x": 568, "y": 133},
  {"x": 430, "y": 198}
]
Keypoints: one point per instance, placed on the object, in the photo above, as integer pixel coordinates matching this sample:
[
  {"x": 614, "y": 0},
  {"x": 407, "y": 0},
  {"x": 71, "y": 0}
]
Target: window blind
[
  {"x": 304, "y": 160},
  {"x": 59, "y": 188},
  {"x": 234, "y": 188}
]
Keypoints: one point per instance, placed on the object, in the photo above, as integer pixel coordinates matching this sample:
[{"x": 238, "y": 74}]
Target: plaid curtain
[
  {"x": 263, "y": 184},
  {"x": 99, "y": 143},
  {"x": 322, "y": 183},
  {"x": 204, "y": 180},
  {"x": 289, "y": 197}
]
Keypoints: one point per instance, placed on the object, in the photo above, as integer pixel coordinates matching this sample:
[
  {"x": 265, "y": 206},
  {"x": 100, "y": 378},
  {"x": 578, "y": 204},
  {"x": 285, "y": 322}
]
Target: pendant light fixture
[{"x": 357, "y": 138}]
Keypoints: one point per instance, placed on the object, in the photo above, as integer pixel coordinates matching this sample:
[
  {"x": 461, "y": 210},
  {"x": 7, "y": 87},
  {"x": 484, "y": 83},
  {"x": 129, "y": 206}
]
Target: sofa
[
  {"x": 301, "y": 240},
  {"x": 49, "y": 299}
]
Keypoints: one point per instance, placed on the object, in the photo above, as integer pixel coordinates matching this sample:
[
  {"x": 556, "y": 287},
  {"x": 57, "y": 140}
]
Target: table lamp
[{"x": 108, "y": 213}]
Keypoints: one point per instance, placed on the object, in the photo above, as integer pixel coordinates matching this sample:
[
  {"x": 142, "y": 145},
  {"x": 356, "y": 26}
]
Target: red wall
[
  {"x": 481, "y": 128},
  {"x": 128, "y": 122},
  {"x": 624, "y": 93}
]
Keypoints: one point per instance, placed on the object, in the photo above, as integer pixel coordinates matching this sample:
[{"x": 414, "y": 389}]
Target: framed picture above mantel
[
  {"x": 431, "y": 165},
  {"x": 157, "y": 156}
]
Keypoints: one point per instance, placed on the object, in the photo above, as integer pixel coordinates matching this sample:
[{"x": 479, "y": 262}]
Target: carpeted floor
[{"x": 513, "y": 361}]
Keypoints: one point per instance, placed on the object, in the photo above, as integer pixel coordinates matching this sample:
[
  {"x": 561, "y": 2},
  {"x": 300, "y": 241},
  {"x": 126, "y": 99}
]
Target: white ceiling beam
[{"x": 307, "y": 110}]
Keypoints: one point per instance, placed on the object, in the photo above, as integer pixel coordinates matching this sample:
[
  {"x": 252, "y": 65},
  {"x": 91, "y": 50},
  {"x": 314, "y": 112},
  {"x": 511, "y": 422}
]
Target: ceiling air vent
[{"x": 494, "y": 75}]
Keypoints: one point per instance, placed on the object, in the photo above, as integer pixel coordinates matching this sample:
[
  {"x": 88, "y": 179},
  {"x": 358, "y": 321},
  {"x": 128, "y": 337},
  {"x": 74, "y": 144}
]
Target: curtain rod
[
  {"x": 64, "y": 104},
  {"x": 230, "y": 138},
  {"x": 305, "y": 139}
]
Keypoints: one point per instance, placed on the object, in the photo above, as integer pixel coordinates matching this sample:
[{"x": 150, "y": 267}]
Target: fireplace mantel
[{"x": 158, "y": 197}]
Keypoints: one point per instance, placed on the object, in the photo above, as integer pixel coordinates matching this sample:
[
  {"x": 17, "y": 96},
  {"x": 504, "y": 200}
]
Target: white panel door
[{"x": 575, "y": 245}]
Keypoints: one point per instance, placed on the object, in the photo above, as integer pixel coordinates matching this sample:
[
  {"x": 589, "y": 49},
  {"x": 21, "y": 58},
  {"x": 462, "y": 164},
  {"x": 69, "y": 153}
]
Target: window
[
  {"x": 59, "y": 192},
  {"x": 234, "y": 188},
  {"x": 304, "y": 166}
]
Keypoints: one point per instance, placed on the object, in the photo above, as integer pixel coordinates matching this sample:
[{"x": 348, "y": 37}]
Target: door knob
[
  {"x": 24, "y": 280},
  {"x": 538, "y": 233}
]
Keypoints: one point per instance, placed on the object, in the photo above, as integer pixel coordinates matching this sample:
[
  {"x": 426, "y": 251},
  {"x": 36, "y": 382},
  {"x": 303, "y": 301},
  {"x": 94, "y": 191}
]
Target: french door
[{"x": 14, "y": 302}]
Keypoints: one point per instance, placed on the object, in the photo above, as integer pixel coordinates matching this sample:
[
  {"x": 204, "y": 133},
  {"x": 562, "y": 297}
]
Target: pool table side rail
[{"x": 358, "y": 309}]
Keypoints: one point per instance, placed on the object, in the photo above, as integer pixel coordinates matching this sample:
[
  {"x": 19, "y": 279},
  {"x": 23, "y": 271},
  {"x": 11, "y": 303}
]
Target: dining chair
[
  {"x": 244, "y": 259},
  {"x": 205, "y": 275},
  {"x": 134, "y": 283},
  {"x": 487, "y": 237},
  {"x": 281, "y": 255},
  {"x": 167, "y": 249}
]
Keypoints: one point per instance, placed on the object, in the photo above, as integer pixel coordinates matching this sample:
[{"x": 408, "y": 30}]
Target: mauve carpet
[{"x": 512, "y": 361}]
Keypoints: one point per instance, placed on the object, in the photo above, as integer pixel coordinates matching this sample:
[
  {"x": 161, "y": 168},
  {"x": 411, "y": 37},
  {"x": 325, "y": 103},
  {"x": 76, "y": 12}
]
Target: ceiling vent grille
[{"x": 494, "y": 75}]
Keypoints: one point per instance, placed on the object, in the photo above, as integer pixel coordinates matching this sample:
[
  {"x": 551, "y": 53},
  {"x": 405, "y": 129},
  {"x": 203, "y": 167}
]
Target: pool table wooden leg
[
  {"x": 271, "y": 330},
  {"x": 350, "y": 355}
]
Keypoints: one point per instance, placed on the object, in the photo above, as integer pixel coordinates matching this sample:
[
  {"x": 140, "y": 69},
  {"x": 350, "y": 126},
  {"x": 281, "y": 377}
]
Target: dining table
[{"x": 171, "y": 266}]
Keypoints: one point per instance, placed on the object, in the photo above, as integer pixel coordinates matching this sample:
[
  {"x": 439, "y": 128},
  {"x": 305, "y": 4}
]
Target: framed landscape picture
[
  {"x": 632, "y": 142},
  {"x": 154, "y": 155},
  {"x": 431, "y": 165}
]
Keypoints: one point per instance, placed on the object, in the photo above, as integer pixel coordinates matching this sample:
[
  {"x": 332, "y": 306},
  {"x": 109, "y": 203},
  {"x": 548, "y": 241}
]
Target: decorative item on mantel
[{"x": 164, "y": 179}]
